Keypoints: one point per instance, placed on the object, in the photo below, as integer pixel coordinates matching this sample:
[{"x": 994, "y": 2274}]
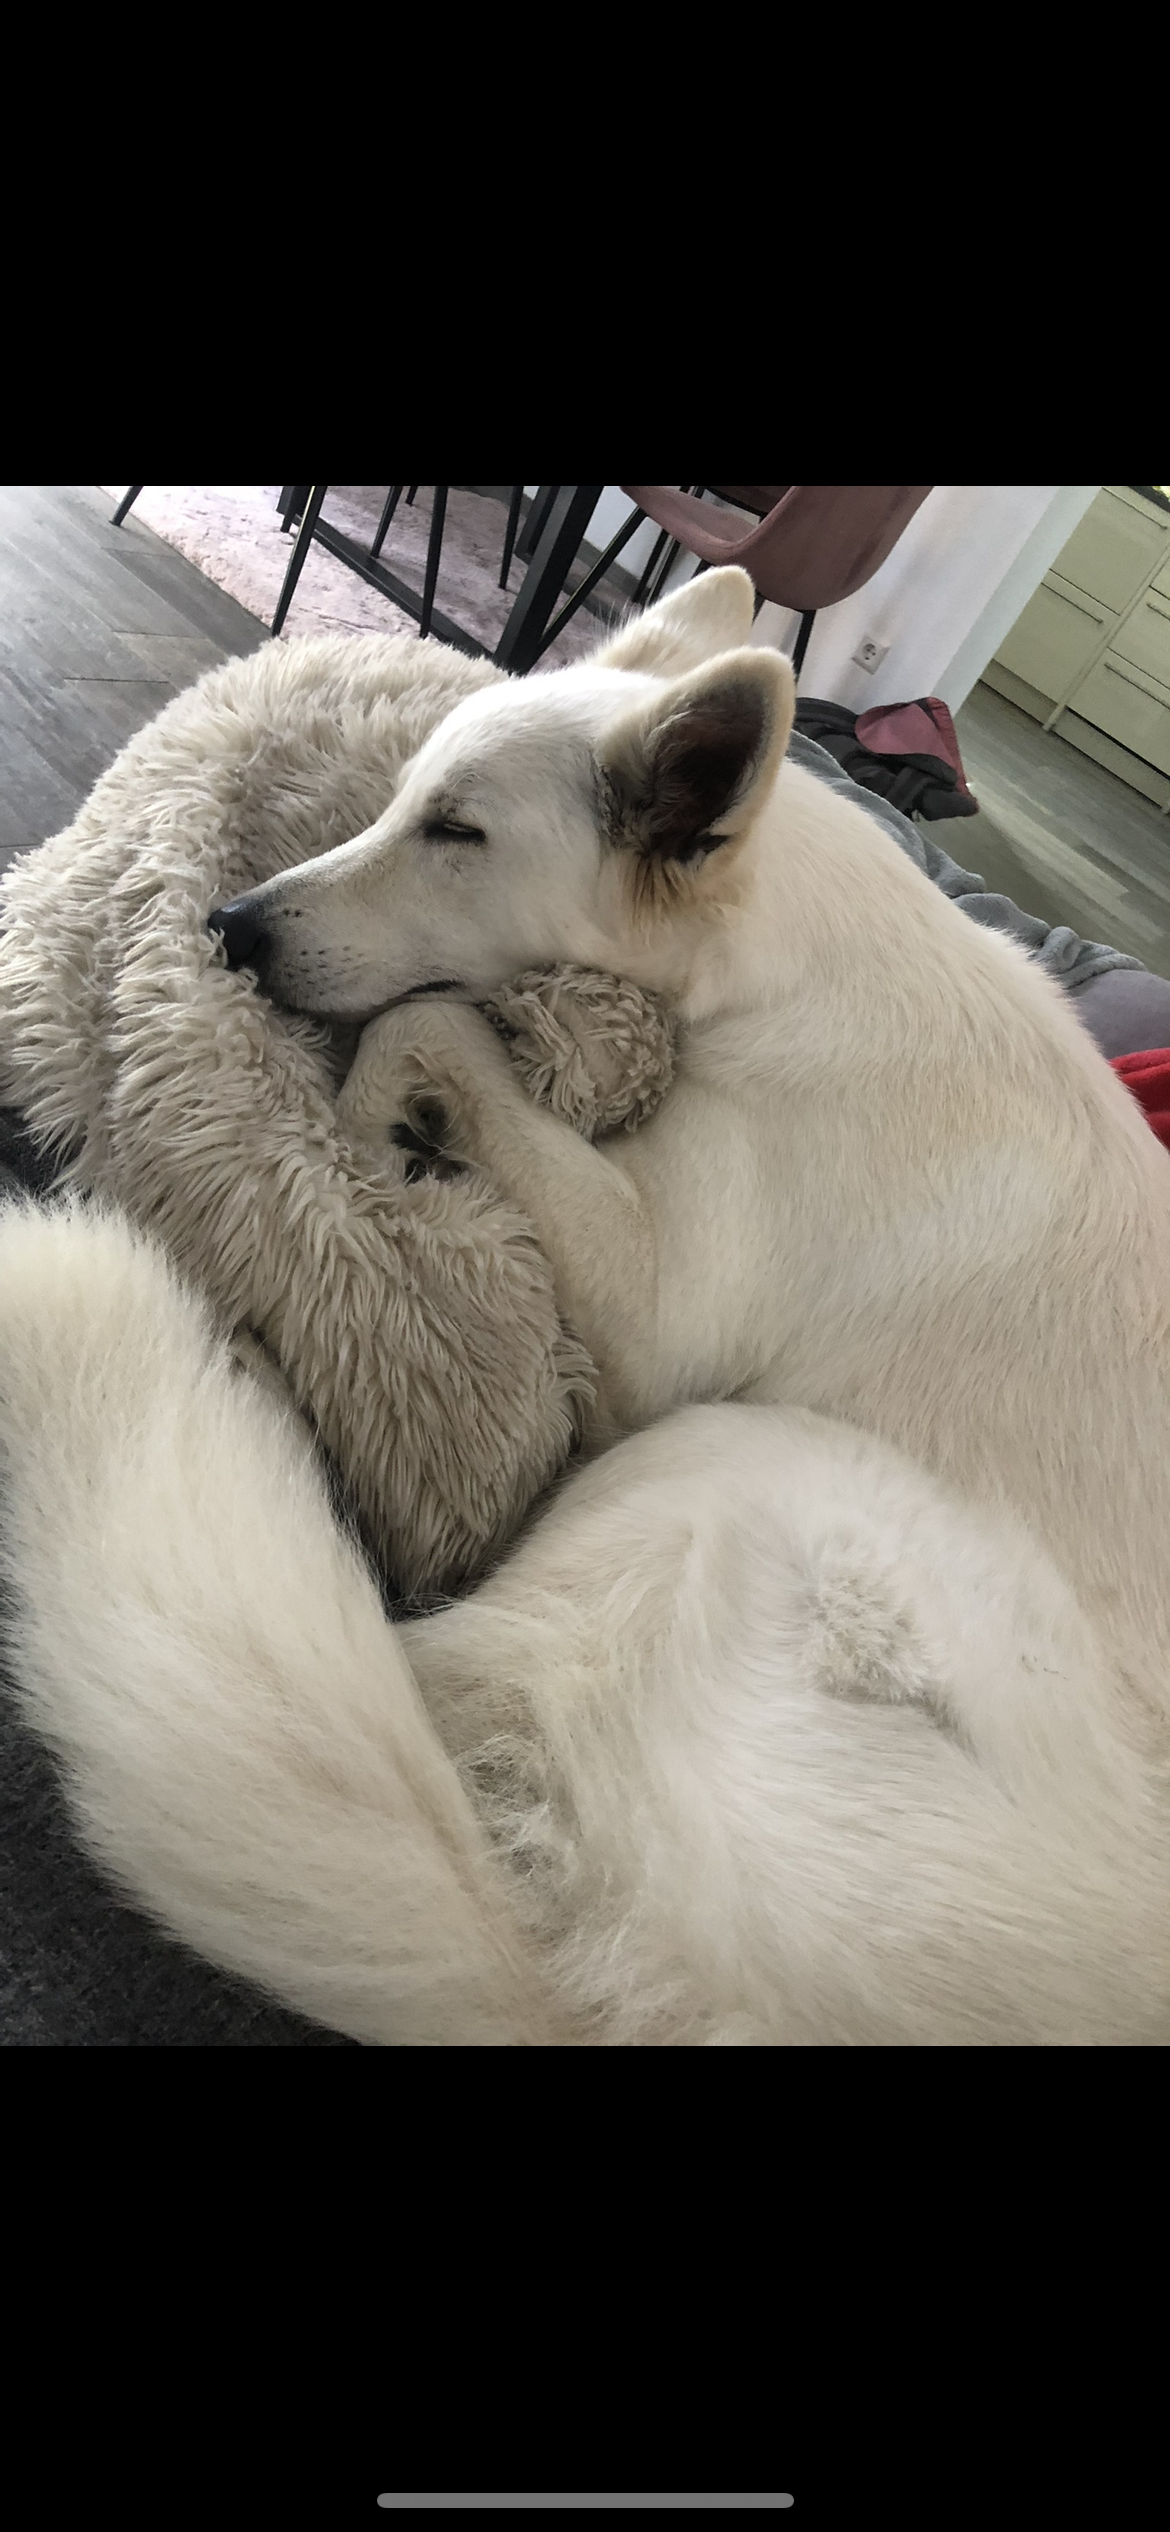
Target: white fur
[
  {"x": 756, "y": 1738},
  {"x": 777, "y": 1726},
  {"x": 893, "y": 1180}
]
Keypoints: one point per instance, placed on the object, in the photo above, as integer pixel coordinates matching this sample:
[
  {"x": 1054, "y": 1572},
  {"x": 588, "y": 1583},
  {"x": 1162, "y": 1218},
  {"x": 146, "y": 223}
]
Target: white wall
[
  {"x": 943, "y": 601},
  {"x": 1020, "y": 582}
]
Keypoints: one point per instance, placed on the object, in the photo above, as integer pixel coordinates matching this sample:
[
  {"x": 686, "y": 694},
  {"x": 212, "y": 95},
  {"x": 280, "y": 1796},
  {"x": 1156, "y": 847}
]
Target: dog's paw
[
  {"x": 423, "y": 1135},
  {"x": 410, "y": 1084}
]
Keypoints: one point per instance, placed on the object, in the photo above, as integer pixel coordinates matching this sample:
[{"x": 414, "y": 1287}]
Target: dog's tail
[{"x": 243, "y": 1741}]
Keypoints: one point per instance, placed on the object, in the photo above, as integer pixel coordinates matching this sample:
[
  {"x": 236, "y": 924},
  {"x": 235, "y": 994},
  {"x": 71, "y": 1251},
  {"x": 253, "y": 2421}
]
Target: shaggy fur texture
[
  {"x": 415, "y": 1322},
  {"x": 597, "y": 1052}
]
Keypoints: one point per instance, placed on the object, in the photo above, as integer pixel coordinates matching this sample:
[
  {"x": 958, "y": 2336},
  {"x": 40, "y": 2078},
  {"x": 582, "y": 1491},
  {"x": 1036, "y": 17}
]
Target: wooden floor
[
  {"x": 1061, "y": 835},
  {"x": 100, "y": 626}
]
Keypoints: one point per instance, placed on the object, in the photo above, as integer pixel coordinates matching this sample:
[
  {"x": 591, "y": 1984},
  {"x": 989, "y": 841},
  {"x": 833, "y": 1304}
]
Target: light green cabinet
[
  {"x": 1116, "y": 698},
  {"x": 1052, "y": 642},
  {"x": 1144, "y": 637},
  {"x": 1090, "y": 654},
  {"x": 1116, "y": 547}
]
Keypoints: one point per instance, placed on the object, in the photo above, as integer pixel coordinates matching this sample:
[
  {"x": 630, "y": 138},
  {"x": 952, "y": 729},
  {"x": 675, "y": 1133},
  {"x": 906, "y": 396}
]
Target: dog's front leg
[{"x": 439, "y": 1071}]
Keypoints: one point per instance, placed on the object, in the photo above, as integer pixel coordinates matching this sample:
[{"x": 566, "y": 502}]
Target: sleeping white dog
[{"x": 834, "y": 1714}]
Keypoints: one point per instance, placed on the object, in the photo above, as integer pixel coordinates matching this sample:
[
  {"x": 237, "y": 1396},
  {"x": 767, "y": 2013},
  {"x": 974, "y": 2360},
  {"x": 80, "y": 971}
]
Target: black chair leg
[
  {"x": 410, "y": 495},
  {"x": 536, "y": 522},
  {"x": 387, "y": 514},
  {"x": 299, "y": 555},
  {"x": 601, "y": 566},
  {"x": 662, "y": 575},
  {"x": 126, "y": 503},
  {"x": 661, "y": 563},
  {"x": 434, "y": 548},
  {"x": 662, "y": 540},
  {"x": 807, "y": 622},
  {"x": 513, "y": 524},
  {"x": 291, "y": 504},
  {"x": 568, "y": 516}
]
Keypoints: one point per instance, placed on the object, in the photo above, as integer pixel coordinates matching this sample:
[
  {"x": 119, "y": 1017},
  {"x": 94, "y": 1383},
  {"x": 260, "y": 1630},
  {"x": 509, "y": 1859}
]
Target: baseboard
[
  {"x": 1068, "y": 725},
  {"x": 1014, "y": 690},
  {"x": 1116, "y": 759}
]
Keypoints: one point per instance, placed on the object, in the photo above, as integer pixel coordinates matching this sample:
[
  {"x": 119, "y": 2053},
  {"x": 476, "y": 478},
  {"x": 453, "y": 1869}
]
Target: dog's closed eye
[{"x": 449, "y": 831}]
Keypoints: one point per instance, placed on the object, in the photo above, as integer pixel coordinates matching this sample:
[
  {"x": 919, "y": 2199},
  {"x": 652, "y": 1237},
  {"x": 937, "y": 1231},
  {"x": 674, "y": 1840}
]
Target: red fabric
[
  {"x": 924, "y": 728},
  {"x": 1148, "y": 1076}
]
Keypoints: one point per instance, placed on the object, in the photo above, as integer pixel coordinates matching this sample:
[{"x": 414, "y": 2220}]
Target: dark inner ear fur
[{"x": 695, "y": 767}]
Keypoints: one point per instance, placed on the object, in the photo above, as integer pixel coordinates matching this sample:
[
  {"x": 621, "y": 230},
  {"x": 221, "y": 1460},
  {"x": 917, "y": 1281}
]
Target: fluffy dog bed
[{"x": 412, "y": 1316}]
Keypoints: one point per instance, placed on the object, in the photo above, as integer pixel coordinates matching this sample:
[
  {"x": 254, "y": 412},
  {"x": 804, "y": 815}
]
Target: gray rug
[{"x": 232, "y": 532}]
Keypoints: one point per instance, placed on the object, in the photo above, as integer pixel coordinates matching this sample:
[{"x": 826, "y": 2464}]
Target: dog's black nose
[{"x": 244, "y": 936}]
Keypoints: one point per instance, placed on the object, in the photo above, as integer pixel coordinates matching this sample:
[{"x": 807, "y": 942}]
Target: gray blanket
[{"x": 1054, "y": 945}]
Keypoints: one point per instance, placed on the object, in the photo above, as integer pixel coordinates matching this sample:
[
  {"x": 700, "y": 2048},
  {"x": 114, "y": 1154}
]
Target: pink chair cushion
[{"x": 820, "y": 543}]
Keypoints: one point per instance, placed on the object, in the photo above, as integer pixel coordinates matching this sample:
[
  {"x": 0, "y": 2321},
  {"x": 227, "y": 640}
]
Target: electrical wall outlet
[{"x": 870, "y": 654}]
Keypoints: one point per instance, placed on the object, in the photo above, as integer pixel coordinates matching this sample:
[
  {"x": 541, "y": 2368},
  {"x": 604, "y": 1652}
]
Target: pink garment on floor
[{"x": 924, "y": 728}]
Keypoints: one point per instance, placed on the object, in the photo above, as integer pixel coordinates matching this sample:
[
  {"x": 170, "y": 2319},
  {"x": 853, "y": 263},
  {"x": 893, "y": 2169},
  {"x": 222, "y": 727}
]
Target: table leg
[{"x": 523, "y": 636}]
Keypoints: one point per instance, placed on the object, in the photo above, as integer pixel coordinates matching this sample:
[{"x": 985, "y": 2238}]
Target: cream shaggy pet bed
[{"x": 412, "y": 1317}]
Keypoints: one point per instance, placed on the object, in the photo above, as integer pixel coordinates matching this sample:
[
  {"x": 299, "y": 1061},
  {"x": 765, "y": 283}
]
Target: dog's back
[{"x": 951, "y": 1223}]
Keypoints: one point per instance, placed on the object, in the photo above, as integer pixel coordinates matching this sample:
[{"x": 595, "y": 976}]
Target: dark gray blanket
[
  {"x": 1054, "y": 946},
  {"x": 79, "y": 1970}
]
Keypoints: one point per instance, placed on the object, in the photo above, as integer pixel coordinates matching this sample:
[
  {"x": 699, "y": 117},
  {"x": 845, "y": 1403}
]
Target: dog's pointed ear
[
  {"x": 709, "y": 614},
  {"x": 686, "y": 773}
]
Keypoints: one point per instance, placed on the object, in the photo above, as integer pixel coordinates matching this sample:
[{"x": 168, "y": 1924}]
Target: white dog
[
  {"x": 894, "y": 1179},
  {"x": 839, "y": 1715}
]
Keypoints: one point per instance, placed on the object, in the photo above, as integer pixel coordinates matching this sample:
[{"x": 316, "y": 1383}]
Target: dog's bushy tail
[{"x": 188, "y": 1629}]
